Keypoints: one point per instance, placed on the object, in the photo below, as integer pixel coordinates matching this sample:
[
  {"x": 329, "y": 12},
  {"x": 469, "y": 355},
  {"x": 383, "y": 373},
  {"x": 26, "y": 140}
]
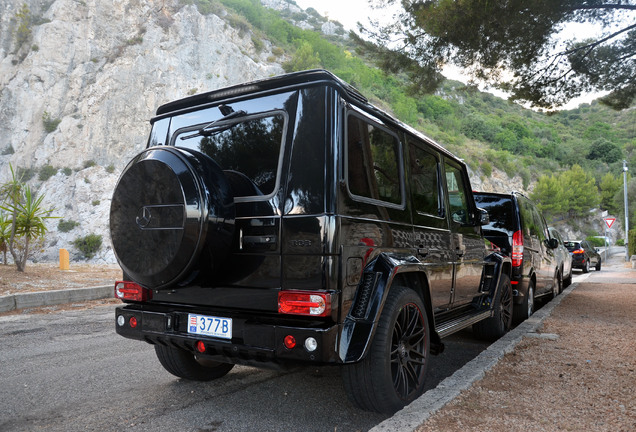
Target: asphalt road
[{"x": 69, "y": 371}]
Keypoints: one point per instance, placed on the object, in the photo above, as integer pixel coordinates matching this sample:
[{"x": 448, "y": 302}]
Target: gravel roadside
[{"x": 576, "y": 373}]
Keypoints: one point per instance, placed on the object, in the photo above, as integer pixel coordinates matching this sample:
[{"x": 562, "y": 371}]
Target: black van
[
  {"x": 289, "y": 221},
  {"x": 518, "y": 229}
]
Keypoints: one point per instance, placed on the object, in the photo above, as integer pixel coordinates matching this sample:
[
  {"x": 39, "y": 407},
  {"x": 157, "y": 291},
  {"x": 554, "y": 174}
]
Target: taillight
[
  {"x": 517, "y": 249},
  {"x": 131, "y": 291},
  {"x": 304, "y": 303},
  {"x": 578, "y": 251}
]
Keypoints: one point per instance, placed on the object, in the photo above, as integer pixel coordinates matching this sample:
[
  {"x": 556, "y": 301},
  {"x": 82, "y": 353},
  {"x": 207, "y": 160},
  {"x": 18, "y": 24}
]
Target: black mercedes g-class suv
[{"x": 289, "y": 221}]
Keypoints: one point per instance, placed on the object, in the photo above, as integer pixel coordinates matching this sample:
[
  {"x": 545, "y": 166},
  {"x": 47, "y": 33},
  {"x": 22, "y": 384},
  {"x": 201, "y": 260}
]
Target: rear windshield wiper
[{"x": 210, "y": 128}]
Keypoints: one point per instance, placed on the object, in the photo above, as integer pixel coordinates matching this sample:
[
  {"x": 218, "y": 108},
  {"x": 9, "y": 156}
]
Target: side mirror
[
  {"x": 482, "y": 217},
  {"x": 553, "y": 243}
]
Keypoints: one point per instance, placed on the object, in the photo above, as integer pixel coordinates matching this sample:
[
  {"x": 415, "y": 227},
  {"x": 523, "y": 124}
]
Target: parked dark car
[
  {"x": 289, "y": 221},
  {"x": 518, "y": 229},
  {"x": 564, "y": 259},
  {"x": 584, "y": 255}
]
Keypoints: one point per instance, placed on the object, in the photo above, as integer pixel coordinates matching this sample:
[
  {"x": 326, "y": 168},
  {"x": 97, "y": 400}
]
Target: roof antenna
[{"x": 225, "y": 110}]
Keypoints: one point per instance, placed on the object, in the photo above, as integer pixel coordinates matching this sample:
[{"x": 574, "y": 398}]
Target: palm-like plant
[
  {"x": 27, "y": 218},
  {"x": 5, "y": 235}
]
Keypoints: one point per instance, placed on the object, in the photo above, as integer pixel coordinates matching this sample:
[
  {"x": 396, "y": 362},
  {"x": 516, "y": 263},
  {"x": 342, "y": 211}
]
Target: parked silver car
[{"x": 564, "y": 259}]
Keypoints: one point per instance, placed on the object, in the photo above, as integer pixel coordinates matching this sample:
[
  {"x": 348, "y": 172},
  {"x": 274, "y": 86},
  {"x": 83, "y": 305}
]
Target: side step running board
[{"x": 448, "y": 327}]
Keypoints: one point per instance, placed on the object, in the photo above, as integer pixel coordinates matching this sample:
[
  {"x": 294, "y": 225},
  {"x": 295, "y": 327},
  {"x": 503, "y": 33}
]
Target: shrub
[
  {"x": 88, "y": 245},
  {"x": 110, "y": 169},
  {"x": 25, "y": 174},
  {"x": 486, "y": 167},
  {"x": 66, "y": 225},
  {"x": 50, "y": 124},
  {"x": 595, "y": 241},
  {"x": 89, "y": 163},
  {"x": 67, "y": 171},
  {"x": 631, "y": 242},
  {"x": 46, "y": 172}
]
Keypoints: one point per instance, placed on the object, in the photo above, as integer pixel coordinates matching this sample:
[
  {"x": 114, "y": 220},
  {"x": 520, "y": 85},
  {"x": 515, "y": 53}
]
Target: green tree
[
  {"x": 514, "y": 45},
  {"x": 571, "y": 193},
  {"x": 608, "y": 188},
  {"x": 549, "y": 195},
  {"x": 27, "y": 218},
  {"x": 581, "y": 191},
  {"x": 304, "y": 58},
  {"x": 605, "y": 151}
]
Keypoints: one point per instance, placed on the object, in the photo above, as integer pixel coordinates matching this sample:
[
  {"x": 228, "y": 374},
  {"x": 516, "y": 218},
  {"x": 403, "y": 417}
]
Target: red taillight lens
[
  {"x": 289, "y": 341},
  {"x": 131, "y": 291},
  {"x": 200, "y": 346},
  {"x": 578, "y": 251},
  {"x": 517, "y": 249},
  {"x": 304, "y": 303}
]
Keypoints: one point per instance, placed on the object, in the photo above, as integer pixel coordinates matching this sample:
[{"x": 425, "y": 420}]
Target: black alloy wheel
[
  {"x": 407, "y": 345},
  {"x": 501, "y": 321},
  {"x": 393, "y": 372}
]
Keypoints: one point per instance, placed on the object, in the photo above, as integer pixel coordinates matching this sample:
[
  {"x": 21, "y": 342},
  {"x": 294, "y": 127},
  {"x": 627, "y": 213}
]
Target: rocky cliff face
[
  {"x": 78, "y": 91},
  {"x": 80, "y": 79}
]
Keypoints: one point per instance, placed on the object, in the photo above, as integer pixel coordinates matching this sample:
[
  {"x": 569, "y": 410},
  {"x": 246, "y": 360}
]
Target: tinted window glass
[
  {"x": 531, "y": 224},
  {"x": 555, "y": 234},
  {"x": 539, "y": 224},
  {"x": 372, "y": 162},
  {"x": 500, "y": 211},
  {"x": 249, "y": 147},
  {"x": 424, "y": 181},
  {"x": 458, "y": 204}
]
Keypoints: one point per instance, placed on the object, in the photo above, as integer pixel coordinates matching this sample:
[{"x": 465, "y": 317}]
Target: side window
[
  {"x": 424, "y": 181},
  {"x": 458, "y": 204},
  {"x": 540, "y": 225},
  {"x": 373, "y": 162}
]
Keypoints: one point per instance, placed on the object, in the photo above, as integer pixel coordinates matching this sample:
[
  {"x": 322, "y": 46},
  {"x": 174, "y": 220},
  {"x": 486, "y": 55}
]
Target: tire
[
  {"x": 501, "y": 321},
  {"x": 568, "y": 280},
  {"x": 170, "y": 205},
  {"x": 184, "y": 364},
  {"x": 598, "y": 265},
  {"x": 557, "y": 284},
  {"x": 523, "y": 311},
  {"x": 392, "y": 373},
  {"x": 586, "y": 267}
]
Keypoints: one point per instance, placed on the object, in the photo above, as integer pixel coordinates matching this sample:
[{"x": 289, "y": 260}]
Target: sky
[{"x": 349, "y": 12}]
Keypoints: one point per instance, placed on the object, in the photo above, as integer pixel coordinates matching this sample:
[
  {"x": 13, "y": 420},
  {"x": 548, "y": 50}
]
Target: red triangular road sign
[{"x": 609, "y": 222}]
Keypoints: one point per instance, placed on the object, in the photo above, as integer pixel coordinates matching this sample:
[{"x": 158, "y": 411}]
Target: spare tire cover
[{"x": 168, "y": 202}]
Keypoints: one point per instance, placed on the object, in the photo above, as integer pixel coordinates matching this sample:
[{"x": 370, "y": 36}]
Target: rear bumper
[
  {"x": 253, "y": 343},
  {"x": 579, "y": 261},
  {"x": 519, "y": 286}
]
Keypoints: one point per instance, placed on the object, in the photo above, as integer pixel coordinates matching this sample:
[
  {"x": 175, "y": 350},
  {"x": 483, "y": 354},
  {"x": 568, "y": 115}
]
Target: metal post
[{"x": 626, "y": 210}]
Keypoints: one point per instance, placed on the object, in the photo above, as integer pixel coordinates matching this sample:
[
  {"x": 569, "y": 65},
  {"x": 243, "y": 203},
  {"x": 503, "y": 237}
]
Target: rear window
[
  {"x": 572, "y": 245},
  {"x": 501, "y": 213},
  {"x": 248, "y": 149}
]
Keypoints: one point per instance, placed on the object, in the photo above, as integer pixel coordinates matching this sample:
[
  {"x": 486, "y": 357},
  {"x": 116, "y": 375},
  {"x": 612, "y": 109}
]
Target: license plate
[{"x": 210, "y": 326}]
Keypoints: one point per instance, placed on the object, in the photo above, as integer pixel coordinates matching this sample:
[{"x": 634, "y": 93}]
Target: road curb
[
  {"x": 413, "y": 415},
  {"x": 49, "y": 298}
]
